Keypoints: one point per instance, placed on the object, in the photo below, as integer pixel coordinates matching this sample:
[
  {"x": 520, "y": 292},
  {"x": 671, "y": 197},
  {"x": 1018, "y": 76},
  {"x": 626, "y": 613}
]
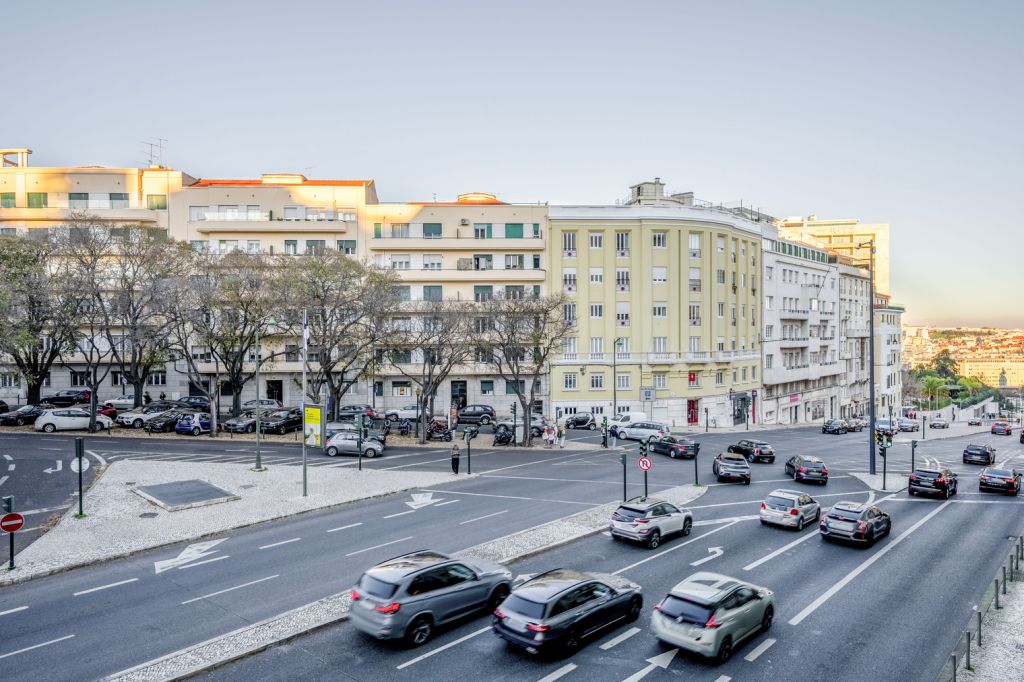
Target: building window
[
  {"x": 118, "y": 200},
  {"x": 38, "y": 200},
  {"x": 401, "y": 389},
  {"x": 198, "y": 245},
  {"x": 481, "y": 230},
  {"x": 719, "y": 378},
  {"x": 7, "y": 200},
  {"x": 347, "y": 246},
  {"x": 769, "y": 331},
  {"x": 720, "y": 244},
  {"x": 693, "y": 380},
  {"x": 622, "y": 314},
  {"x": 569, "y": 381},
  {"x": 622, "y": 244},
  {"x": 514, "y": 262},
  {"x": 510, "y": 387},
  {"x": 720, "y": 276},
  {"x": 432, "y": 261},
  {"x": 315, "y": 245},
  {"x": 432, "y": 292},
  {"x": 431, "y": 230},
  {"x": 622, "y": 381},
  {"x": 597, "y": 240},
  {"x": 659, "y": 240},
  {"x": 659, "y": 310},
  {"x": 486, "y": 387},
  {"x": 769, "y": 272},
  {"x": 79, "y": 378},
  {"x": 721, "y": 310},
  {"x": 157, "y": 379},
  {"x": 569, "y": 347},
  {"x": 156, "y": 202},
  {"x": 744, "y": 375},
  {"x": 694, "y": 245},
  {"x": 291, "y": 247},
  {"x": 695, "y": 280},
  {"x": 483, "y": 292},
  {"x": 400, "y": 261},
  {"x": 597, "y": 382},
  {"x": 694, "y": 314},
  {"x": 660, "y": 380},
  {"x": 513, "y": 230},
  {"x": 569, "y": 279},
  {"x": 597, "y": 275},
  {"x": 78, "y": 200},
  {"x": 659, "y": 344},
  {"x": 569, "y": 312},
  {"x": 622, "y": 279},
  {"x": 659, "y": 275},
  {"x": 753, "y": 373},
  {"x": 596, "y": 311},
  {"x": 569, "y": 244}
]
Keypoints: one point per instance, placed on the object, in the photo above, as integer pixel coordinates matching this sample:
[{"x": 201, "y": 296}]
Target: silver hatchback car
[
  {"x": 408, "y": 596},
  {"x": 789, "y": 508},
  {"x": 647, "y": 520}
]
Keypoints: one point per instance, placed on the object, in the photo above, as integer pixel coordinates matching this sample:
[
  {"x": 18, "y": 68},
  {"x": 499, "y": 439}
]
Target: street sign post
[
  {"x": 10, "y": 523},
  {"x": 79, "y": 454},
  {"x": 622, "y": 460},
  {"x": 312, "y": 435},
  {"x": 645, "y": 465}
]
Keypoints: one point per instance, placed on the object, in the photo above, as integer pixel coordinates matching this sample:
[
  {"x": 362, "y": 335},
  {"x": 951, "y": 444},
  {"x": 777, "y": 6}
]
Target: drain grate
[
  {"x": 247, "y": 486},
  {"x": 148, "y": 515}
]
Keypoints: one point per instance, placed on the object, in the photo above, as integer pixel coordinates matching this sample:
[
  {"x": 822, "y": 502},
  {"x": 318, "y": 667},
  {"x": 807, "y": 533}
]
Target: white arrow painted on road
[
  {"x": 715, "y": 553},
  {"x": 53, "y": 470},
  {"x": 188, "y": 555},
  {"x": 422, "y": 500},
  {"x": 659, "y": 661},
  {"x": 75, "y": 465}
]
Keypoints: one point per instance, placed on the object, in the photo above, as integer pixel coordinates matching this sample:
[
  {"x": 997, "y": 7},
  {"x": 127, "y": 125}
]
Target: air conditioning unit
[{"x": 464, "y": 221}]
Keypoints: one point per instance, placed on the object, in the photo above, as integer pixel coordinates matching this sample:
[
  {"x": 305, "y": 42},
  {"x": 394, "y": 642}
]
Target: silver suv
[
  {"x": 710, "y": 614},
  {"x": 647, "y": 520},
  {"x": 789, "y": 508},
  {"x": 408, "y": 596}
]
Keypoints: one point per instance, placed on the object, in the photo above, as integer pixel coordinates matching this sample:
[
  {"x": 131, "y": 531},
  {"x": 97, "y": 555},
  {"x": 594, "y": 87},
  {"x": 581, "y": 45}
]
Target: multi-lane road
[{"x": 846, "y": 613}]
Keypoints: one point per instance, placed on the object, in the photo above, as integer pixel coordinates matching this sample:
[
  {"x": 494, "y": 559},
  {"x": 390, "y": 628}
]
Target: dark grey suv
[
  {"x": 408, "y": 596},
  {"x": 556, "y": 611},
  {"x": 477, "y": 414}
]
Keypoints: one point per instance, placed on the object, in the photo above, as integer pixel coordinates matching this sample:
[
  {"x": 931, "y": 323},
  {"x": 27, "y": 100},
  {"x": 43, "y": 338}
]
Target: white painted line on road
[
  {"x": 761, "y": 648},
  {"x": 36, "y": 646},
  {"x": 20, "y": 608},
  {"x": 351, "y": 525},
  {"x": 723, "y": 678},
  {"x": 8, "y": 458},
  {"x": 106, "y": 587},
  {"x": 54, "y": 449},
  {"x": 561, "y": 672},
  {"x": 715, "y": 522},
  {"x": 393, "y": 542},
  {"x": 570, "y": 480},
  {"x": 439, "y": 649},
  {"x": 208, "y": 561},
  {"x": 781, "y": 550},
  {"x": 11, "y": 467},
  {"x": 391, "y": 516},
  {"x": 673, "y": 548},
  {"x": 481, "y": 518},
  {"x": 832, "y": 591},
  {"x": 99, "y": 457},
  {"x": 278, "y": 544},
  {"x": 513, "y": 497},
  {"x": 441, "y": 504},
  {"x": 3, "y": 478},
  {"x": 620, "y": 639},
  {"x": 230, "y": 589}
]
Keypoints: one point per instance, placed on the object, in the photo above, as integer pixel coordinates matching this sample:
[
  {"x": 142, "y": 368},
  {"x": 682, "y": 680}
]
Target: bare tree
[
  {"x": 36, "y": 320},
  {"x": 429, "y": 339},
  {"x": 516, "y": 336}
]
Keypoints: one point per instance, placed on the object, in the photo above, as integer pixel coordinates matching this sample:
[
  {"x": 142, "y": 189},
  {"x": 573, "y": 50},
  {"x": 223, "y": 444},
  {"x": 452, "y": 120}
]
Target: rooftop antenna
[
  {"x": 155, "y": 154},
  {"x": 435, "y": 197}
]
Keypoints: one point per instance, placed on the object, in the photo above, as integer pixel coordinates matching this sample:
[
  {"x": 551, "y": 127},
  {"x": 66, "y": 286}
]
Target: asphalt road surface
[{"x": 882, "y": 612}]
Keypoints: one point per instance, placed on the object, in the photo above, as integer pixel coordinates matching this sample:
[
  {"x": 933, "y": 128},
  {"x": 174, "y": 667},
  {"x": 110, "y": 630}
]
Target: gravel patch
[{"x": 115, "y": 526}]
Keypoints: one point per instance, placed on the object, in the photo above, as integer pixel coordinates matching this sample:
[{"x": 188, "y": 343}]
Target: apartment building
[
  {"x": 802, "y": 360},
  {"x": 1002, "y": 372},
  {"x": 888, "y": 354},
  {"x": 666, "y": 297},
  {"x": 854, "y": 335},
  {"x": 846, "y": 237}
]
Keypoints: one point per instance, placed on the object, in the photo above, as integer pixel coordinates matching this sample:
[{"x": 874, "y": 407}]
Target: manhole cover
[
  {"x": 148, "y": 515},
  {"x": 247, "y": 486}
]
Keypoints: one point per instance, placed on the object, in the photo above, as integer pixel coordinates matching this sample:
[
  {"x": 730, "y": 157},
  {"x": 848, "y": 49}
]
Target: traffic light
[
  {"x": 888, "y": 441},
  {"x": 643, "y": 448},
  {"x": 9, "y": 504}
]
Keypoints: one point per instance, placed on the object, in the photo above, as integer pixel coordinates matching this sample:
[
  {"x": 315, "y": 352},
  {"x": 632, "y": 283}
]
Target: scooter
[
  {"x": 438, "y": 431},
  {"x": 503, "y": 437}
]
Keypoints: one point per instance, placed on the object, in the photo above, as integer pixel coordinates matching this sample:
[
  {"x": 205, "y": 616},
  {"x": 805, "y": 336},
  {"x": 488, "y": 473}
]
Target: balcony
[
  {"x": 500, "y": 275},
  {"x": 699, "y": 356},
  {"x": 694, "y": 322},
  {"x": 794, "y": 314},
  {"x": 59, "y": 212},
  {"x": 661, "y": 358},
  {"x": 793, "y": 341},
  {"x": 457, "y": 239},
  {"x": 264, "y": 222},
  {"x": 622, "y": 253},
  {"x": 694, "y": 253},
  {"x": 736, "y": 355}
]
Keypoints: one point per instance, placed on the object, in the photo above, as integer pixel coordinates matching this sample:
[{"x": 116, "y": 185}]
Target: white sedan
[
  {"x": 408, "y": 412},
  {"x": 69, "y": 419},
  {"x": 124, "y": 402},
  {"x": 346, "y": 442}
]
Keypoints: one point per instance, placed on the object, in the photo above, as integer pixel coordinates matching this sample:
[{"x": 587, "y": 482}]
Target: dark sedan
[
  {"x": 349, "y": 412},
  {"x": 834, "y": 426},
  {"x": 754, "y": 450},
  {"x": 855, "y": 522},
  {"x": 281, "y": 421},
  {"x": 68, "y": 398},
  {"x": 557, "y": 611},
  {"x": 999, "y": 481},
  {"x": 166, "y": 422},
  {"x": 673, "y": 446},
  {"x": 804, "y": 468},
  {"x": 979, "y": 454},
  {"x": 931, "y": 481},
  {"x": 23, "y": 415}
]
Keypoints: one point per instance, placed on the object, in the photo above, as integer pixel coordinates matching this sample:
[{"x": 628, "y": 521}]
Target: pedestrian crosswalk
[{"x": 314, "y": 459}]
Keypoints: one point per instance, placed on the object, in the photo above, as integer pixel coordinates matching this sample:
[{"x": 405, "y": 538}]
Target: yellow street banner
[{"x": 312, "y": 425}]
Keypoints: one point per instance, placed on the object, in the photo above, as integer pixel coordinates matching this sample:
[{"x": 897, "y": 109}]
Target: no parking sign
[{"x": 644, "y": 463}]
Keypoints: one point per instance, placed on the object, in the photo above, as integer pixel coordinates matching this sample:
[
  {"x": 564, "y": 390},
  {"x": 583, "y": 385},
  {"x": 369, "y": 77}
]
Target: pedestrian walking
[
  {"x": 547, "y": 436},
  {"x": 146, "y": 398},
  {"x": 455, "y": 458},
  {"x": 561, "y": 436},
  {"x": 163, "y": 396},
  {"x": 604, "y": 432}
]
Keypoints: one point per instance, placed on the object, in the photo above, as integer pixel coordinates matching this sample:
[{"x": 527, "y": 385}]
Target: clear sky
[{"x": 902, "y": 112}]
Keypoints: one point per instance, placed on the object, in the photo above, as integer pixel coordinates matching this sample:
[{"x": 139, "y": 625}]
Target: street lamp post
[
  {"x": 615, "y": 376},
  {"x": 871, "y": 349},
  {"x": 259, "y": 460}
]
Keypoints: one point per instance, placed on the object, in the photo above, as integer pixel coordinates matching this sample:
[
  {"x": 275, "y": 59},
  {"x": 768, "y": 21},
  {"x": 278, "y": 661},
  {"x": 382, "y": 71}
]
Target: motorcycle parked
[
  {"x": 503, "y": 437},
  {"x": 437, "y": 430}
]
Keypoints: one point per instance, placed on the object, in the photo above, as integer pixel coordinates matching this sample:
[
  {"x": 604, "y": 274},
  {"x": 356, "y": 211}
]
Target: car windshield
[
  {"x": 523, "y": 607},
  {"x": 781, "y": 501},
  {"x": 376, "y": 588},
  {"x": 629, "y": 514},
  {"x": 737, "y": 460},
  {"x": 26, "y": 408},
  {"x": 281, "y": 414},
  {"x": 691, "y": 612},
  {"x": 975, "y": 448}
]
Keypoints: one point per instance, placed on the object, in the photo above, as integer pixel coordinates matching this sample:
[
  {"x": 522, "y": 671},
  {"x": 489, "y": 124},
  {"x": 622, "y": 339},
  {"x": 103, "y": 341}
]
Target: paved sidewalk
[
  {"x": 1002, "y": 656},
  {"x": 114, "y": 526}
]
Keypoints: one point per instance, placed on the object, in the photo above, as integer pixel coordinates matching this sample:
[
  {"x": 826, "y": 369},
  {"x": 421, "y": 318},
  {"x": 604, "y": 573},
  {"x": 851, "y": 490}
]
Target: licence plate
[
  {"x": 516, "y": 624},
  {"x": 841, "y": 525}
]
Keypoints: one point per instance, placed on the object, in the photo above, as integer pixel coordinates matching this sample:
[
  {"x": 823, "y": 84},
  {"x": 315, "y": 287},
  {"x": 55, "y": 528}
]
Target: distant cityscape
[{"x": 995, "y": 356}]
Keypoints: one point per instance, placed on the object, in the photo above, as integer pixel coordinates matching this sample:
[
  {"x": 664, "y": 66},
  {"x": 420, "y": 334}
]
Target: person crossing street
[
  {"x": 604, "y": 432},
  {"x": 455, "y": 458}
]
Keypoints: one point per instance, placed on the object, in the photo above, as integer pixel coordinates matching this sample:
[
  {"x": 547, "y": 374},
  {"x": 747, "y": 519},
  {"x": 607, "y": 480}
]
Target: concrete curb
[{"x": 219, "y": 651}]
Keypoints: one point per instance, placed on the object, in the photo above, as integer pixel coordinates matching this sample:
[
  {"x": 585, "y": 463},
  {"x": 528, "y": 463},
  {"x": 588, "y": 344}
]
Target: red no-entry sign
[
  {"x": 10, "y": 523},
  {"x": 644, "y": 463}
]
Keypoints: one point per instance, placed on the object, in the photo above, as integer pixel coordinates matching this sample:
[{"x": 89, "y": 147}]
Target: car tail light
[
  {"x": 757, "y": 451},
  {"x": 862, "y": 525},
  {"x": 657, "y": 607},
  {"x": 794, "y": 512},
  {"x": 711, "y": 623},
  {"x": 803, "y": 470},
  {"x": 533, "y": 627},
  {"x": 763, "y": 506},
  {"x": 940, "y": 479},
  {"x": 388, "y": 608},
  {"x": 641, "y": 521},
  {"x": 356, "y": 596},
  {"x": 824, "y": 471},
  {"x": 500, "y": 614}
]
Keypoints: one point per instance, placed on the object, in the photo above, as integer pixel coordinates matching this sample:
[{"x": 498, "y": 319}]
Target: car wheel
[
  {"x": 572, "y": 641},
  {"x": 195, "y": 430},
  {"x": 800, "y": 523},
  {"x": 672, "y": 454},
  {"x": 633, "y": 610},
  {"x": 369, "y": 453},
  {"x": 448, "y": 436},
  {"x": 687, "y": 526},
  {"x": 137, "y": 424},
  {"x": 250, "y": 428},
  {"x": 592, "y": 427},
  {"x": 654, "y": 540},
  {"x": 419, "y": 631},
  {"x": 20, "y": 421},
  {"x": 332, "y": 451},
  {"x": 767, "y": 618},
  {"x": 282, "y": 431},
  {"x": 498, "y": 595},
  {"x": 945, "y": 493},
  {"x": 391, "y": 418},
  {"x": 485, "y": 420},
  {"x": 49, "y": 428},
  {"x": 888, "y": 528},
  {"x": 871, "y": 540},
  {"x": 724, "y": 650},
  {"x": 746, "y": 482},
  {"x": 910, "y": 491}
]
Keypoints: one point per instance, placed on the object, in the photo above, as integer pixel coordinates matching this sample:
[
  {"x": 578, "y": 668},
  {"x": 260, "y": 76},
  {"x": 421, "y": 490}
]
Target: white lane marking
[
  {"x": 20, "y": 608},
  {"x": 441, "y": 504},
  {"x": 3, "y": 478},
  {"x": 515, "y": 497},
  {"x": 10, "y": 467},
  {"x": 715, "y": 522},
  {"x": 439, "y": 649},
  {"x": 830, "y": 592},
  {"x": 673, "y": 548},
  {"x": 351, "y": 525},
  {"x": 8, "y": 458},
  {"x": 723, "y": 678},
  {"x": 208, "y": 561},
  {"x": 620, "y": 639},
  {"x": 761, "y": 648},
  {"x": 561, "y": 672},
  {"x": 393, "y": 542},
  {"x": 391, "y": 516},
  {"x": 99, "y": 457},
  {"x": 230, "y": 589},
  {"x": 36, "y": 646},
  {"x": 190, "y": 554},
  {"x": 781, "y": 550},
  {"x": 278, "y": 544},
  {"x": 106, "y": 587},
  {"x": 570, "y": 480},
  {"x": 481, "y": 518}
]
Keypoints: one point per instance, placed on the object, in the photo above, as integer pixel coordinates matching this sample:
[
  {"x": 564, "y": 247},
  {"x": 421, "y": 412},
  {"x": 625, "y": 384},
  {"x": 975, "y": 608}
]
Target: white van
[{"x": 624, "y": 419}]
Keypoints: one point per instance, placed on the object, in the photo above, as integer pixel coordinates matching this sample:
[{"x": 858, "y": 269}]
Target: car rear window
[
  {"x": 376, "y": 588},
  {"x": 847, "y": 514},
  {"x": 1005, "y": 473},
  {"x": 691, "y": 612},
  {"x": 781, "y": 501},
  {"x": 734, "y": 459},
  {"x": 523, "y": 607},
  {"x": 926, "y": 474},
  {"x": 814, "y": 465},
  {"x": 629, "y": 514},
  {"x": 975, "y": 448}
]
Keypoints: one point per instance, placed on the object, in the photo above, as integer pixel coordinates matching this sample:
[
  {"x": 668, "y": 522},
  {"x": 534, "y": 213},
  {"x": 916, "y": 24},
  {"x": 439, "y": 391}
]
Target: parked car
[
  {"x": 647, "y": 520},
  {"x": 834, "y": 426},
  {"x": 855, "y": 522},
  {"x": 908, "y": 425},
  {"x": 124, "y": 402},
  {"x": 932, "y": 481},
  {"x": 999, "y": 480},
  {"x": 979, "y": 454},
  {"x": 349, "y": 412},
  {"x": 268, "y": 403},
  {"x": 67, "y": 419},
  {"x": 195, "y": 423},
  {"x": 198, "y": 402},
  {"x": 643, "y": 431},
  {"x": 711, "y": 614},
  {"x": 885, "y": 426},
  {"x": 754, "y": 450},
  {"x": 408, "y": 596},
  {"x": 537, "y": 424},
  {"x": 408, "y": 412},
  {"x": 372, "y": 434},
  {"x": 623, "y": 419},
  {"x": 166, "y": 421},
  {"x": 856, "y": 423},
  {"x": 974, "y": 421},
  {"x": 559, "y": 610},
  {"x": 26, "y": 414},
  {"x": 136, "y": 419},
  {"x": 807, "y": 468},
  {"x": 4, "y": 407},
  {"x": 68, "y": 397},
  {"x": 789, "y": 508},
  {"x": 674, "y": 445},
  {"x": 939, "y": 423},
  {"x": 107, "y": 411},
  {"x": 1002, "y": 429},
  {"x": 586, "y": 420},
  {"x": 731, "y": 466},
  {"x": 477, "y": 414},
  {"x": 244, "y": 422},
  {"x": 281, "y": 421},
  {"x": 347, "y": 442},
  {"x": 1022, "y": 435}
]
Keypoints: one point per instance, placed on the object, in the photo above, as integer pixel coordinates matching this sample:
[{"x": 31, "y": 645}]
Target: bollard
[
  {"x": 1004, "y": 579},
  {"x": 1011, "y": 567},
  {"x": 953, "y": 656},
  {"x": 967, "y": 665},
  {"x": 997, "y": 594},
  {"x": 979, "y": 628}
]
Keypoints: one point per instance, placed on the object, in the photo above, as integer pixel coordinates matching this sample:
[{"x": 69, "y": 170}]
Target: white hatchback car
[
  {"x": 69, "y": 419},
  {"x": 345, "y": 442},
  {"x": 124, "y": 402},
  {"x": 790, "y": 508},
  {"x": 643, "y": 430}
]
